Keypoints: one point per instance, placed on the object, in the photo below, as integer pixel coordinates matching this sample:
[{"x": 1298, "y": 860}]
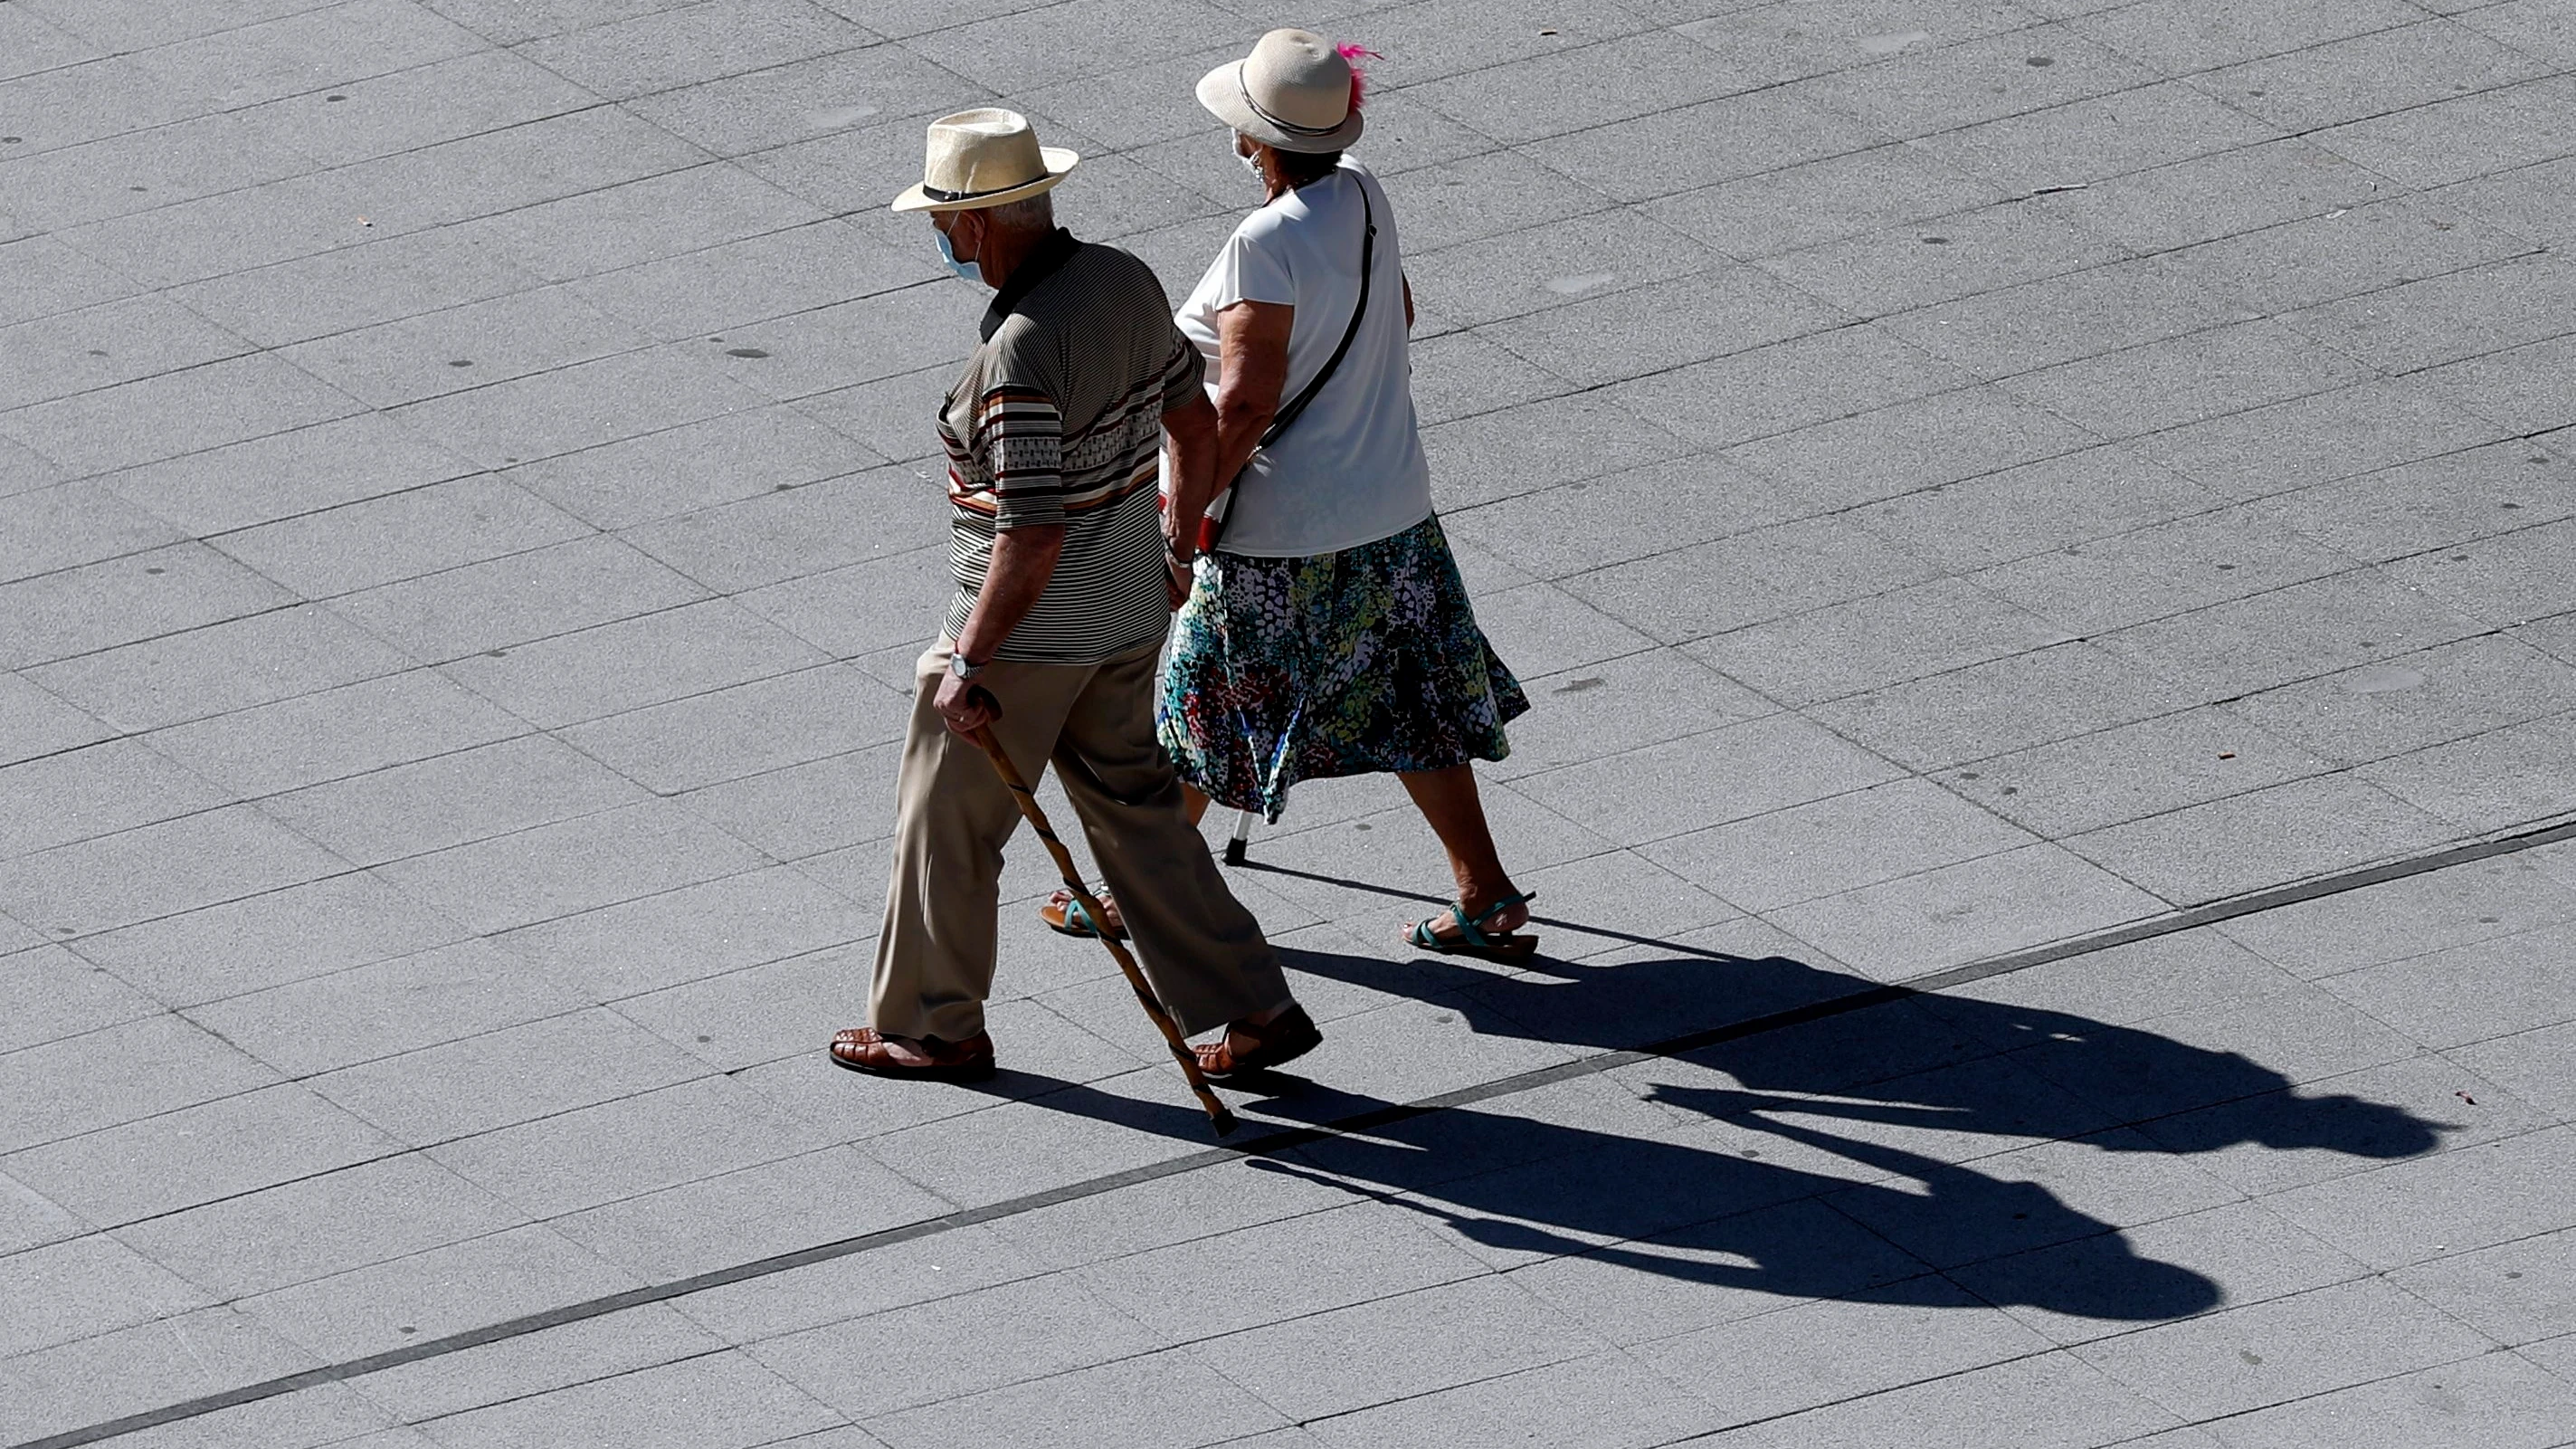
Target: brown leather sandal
[
  {"x": 1274, "y": 1044},
  {"x": 1067, "y": 916},
  {"x": 865, "y": 1049}
]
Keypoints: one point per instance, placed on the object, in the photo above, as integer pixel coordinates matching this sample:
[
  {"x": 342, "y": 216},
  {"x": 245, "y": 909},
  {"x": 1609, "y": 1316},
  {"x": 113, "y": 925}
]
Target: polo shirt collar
[{"x": 1041, "y": 263}]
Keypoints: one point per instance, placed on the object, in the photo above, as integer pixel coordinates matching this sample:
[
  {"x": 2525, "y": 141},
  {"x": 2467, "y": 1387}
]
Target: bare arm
[
  {"x": 1190, "y": 433},
  {"x": 1252, "y": 343},
  {"x": 1023, "y": 560}
]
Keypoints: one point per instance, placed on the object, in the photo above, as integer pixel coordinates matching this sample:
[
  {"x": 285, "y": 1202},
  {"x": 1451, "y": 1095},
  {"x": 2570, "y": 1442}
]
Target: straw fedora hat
[
  {"x": 981, "y": 158},
  {"x": 1293, "y": 92}
]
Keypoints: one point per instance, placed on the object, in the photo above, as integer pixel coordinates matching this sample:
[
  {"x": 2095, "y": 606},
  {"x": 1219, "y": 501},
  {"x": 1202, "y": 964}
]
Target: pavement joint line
[{"x": 1272, "y": 1143}]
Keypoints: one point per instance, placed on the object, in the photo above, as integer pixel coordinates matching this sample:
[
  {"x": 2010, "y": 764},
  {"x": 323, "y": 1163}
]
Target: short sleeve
[
  {"x": 1184, "y": 372},
  {"x": 1252, "y": 266}
]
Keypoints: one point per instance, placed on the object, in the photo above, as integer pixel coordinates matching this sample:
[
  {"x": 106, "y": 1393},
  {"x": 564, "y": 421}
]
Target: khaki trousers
[{"x": 1201, "y": 950}]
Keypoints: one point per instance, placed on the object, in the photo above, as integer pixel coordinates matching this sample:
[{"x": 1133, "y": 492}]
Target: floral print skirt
[{"x": 1350, "y": 663}]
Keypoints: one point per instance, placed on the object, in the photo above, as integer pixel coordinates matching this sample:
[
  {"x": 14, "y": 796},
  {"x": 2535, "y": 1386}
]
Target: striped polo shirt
[{"x": 1059, "y": 419}]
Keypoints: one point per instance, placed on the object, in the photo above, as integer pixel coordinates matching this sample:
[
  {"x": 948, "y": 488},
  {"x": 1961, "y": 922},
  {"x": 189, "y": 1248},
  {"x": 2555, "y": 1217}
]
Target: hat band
[
  {"x": 1282, "y": 122},
  {"x": 936, "y": 194}
]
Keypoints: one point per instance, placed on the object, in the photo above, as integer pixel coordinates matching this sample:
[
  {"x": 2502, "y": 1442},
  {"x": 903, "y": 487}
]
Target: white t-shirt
[{"x": 1350, "y": 469}]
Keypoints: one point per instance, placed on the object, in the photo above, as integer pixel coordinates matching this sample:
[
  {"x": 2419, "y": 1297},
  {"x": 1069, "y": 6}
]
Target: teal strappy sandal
[
  {"x": 1068, "y": 917},
  {"x": 1472, "y": 940}
]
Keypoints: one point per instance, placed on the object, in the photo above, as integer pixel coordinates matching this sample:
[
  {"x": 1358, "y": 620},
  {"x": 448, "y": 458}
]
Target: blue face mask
[{"x": 968, "y": 270}]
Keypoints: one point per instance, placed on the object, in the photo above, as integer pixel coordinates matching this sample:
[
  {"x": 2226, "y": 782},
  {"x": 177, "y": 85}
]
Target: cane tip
[
  {"x": 1235, "y": 853},
  {"x": 1223, "y": 1121}
]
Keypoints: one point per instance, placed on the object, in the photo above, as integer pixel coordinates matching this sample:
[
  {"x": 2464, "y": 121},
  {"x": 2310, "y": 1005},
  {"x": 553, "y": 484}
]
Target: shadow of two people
[{"x": 1882, "y": 1206}]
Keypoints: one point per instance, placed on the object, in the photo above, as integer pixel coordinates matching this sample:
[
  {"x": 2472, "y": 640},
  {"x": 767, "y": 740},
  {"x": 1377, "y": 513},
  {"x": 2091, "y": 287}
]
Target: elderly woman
[{"x": 1326, "y": 631}]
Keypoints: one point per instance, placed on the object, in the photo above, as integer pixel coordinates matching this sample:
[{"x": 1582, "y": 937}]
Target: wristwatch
[{"x": 958, "y": 666}]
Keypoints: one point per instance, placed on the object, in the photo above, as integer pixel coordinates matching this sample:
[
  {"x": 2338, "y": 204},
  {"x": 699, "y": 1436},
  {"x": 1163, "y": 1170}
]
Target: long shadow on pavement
[{"x": 1879, "y": 1222}]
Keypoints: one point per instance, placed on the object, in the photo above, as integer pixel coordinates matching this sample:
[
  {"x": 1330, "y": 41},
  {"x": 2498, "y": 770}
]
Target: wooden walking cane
[{"x": 1218, "y": 1115}]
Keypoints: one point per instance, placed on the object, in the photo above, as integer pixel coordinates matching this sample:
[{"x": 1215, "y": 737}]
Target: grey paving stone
[
  {"x": 2400, "y": 919},
  {"x": 626, "y": 1148},
  {"x": 275, "y": 222},
  {"x": 580, "y": 676},
  {"x": 1663, "y": 325},
  {"x": 2368, "y": 75},
  {"x": 1597, "y": 1403},
  {"x": 515, "y": 1075},
  {"x": 574, "y": 865},
  {"x": 782, "y": 274},
  {"x": 2251, "y": 1255},
  {"x": 83, "y": 1288},
  {"x": 720, "y": 1400},
  {"x": 95, "y": 791},
  {"x": 247, "y": 662},
  {"x": 1380, "y": 1352},
  {"x": 1752, "y": 1371},
  {"x": 835, "y": 92},
  {"x": 46, "y": 277},
  {"x": 2132, "y": 771},
  {"x": 1769, "y": 131},
  {"x": 100, "y": 347},
  {"x": 1562, "y": 440},
  {"x": 1808, "y": 851},
  {"x": 2039, "y": 324},
  {"x": 382, "y": 1009},
  {"x": 1558, "y": 529},
  {"x": 474, "y": 345},
  {"x": 577, "y": 407},
  {"x": 2318, "y": 439},
  {"x": 145, "y": 1367},
  {"x": 2301, "y": 632},
  {"x": 1690, "y": 783},
  {"x": 799, "y": 811},
  {"x": 2290, "y": 1348},
  {"x": 1169, "y": 1398},
  {"x": 777, "y": 536},
  {"x": 2436, "y": 503},
  {"x": 734, "y": 1217},
  {"x": 2284, "y": 832},
  {"x": 420, "y": 531},
  {"x": 83, "y": 102},
  {"x": 2492, "y": 781},
  {"x": 198, "y": 1154},
  {"x": 2505, "y": 1292},
  {"x": 122, "y": 601},
  {"x": 138, "y": 171},
  {"x": 2302, "y": 1035},
  {"x": 419, "y": 105},
  {"x": 2183, "y": 37},
  {"x": 886, "y": 415},
  {"x": 1274, "y": 1272},
  {"x": 1772, "y": 572},
  {"x": 1888, "y": 639},
  {"x": 327, "y": 925},
  {"x": 453, "y": 799},
  {"x": 1541, "y": 630},
  {"x": 1923, "y": 92},
  {"x": 1943, "y": 258},
  {"x": 2124, "y": 985},
  {"x": 470, "y": 1284},
  {"x": 697, "y": 465},
  {"x": 2031, "y": 509},
  {"x": 2528, "y": 200},
  {"x": 1824, "y": 201},
  {"x": 2416, "y": 146},
  {"x": 1461, "y": 374},
  {"x": 690, "y": 933},
  {"x": 908, "y": 1356},
  {"x": 236, "y": 67},
  {"x": 159, "y": 870},
  {"x": 2453, "y": 1202},
  {"x": 47, "y": 993},
  {"x": 2415, "y": 701},
  {"x": 2495, "y": 1399},
  {"x": 2014, "y": 703},
  {"x": 391, "y": 720},
  {"x": 631, "y": 223},
  {"x": 2446, "y": 318},
  {"x": 2162, "y": 571},
  {"x": 330, "y": 1414},
  {"x": 36, "y": 46},
  {"x": 2344, "y": 253},
  {"x": 179, "y": 412},
  {"x": 2048, "y": 1399},
  {"x": 2531, "y": 1064},
  {"x": 1966, "y": 912},
  {"x": 2186, "y": 379},
  {"x": 1924, "y": 443},
  {"x": 2523, "y": 388},
  {"x": 729, "y": 734},
  {"x": 519, "y": 598},
  {"x": 286, "y": 474},
  {"x": 1668, "y": 695},
  {"x": 1787, "y": 385},
  {"x": 1552, "y": 265},
  {"x": 2457, "y": 995},
  {"x": 311, "y": 1228},
  {"x": 77, "y": 523},
  {"x": 554, "y": 1358}
]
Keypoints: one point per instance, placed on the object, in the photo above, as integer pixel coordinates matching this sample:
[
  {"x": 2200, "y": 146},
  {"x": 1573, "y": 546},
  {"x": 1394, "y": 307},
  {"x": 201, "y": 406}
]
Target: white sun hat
[
  {"x": 1293, "y": 92},
  {"x": 984, "y": 157}
]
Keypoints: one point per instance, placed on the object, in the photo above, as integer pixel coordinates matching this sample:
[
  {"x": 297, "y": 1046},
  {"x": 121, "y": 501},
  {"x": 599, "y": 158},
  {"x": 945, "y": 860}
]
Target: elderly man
[{"x": 1065, "y": 585}]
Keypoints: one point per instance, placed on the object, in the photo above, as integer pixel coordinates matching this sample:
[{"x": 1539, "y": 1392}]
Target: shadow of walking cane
[{"x": 1218, "y": 1115}]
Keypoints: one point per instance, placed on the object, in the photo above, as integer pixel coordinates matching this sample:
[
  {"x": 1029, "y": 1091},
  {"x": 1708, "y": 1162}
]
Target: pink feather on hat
[{"x": 1351, "y": 51}]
